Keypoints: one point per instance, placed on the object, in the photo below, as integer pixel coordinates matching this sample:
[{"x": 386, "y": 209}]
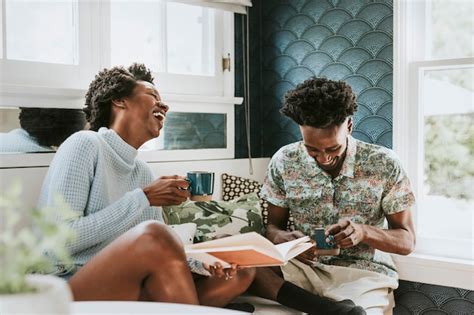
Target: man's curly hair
[
  {"x": 108, "y": 85},
  {"x": 51, "y": 126},
  {"x": 320, "y": 103}
]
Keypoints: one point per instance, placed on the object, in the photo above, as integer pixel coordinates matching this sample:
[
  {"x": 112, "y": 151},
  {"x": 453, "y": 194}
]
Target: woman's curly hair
[
  {"x": 108, "y": 85},
  {"x": 320, "y": 103},
  {"x": 51, "y": 126}
]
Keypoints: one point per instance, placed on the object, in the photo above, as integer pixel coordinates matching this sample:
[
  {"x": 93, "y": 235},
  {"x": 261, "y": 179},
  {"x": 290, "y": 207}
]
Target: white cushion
[{"x": 185, "y": 232}]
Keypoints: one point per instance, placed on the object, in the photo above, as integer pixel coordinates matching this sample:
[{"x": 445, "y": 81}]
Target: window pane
[
  {"x": 134, "y": 33},
  {"x": 450, "y": 29},
  {"x": 447, "y": 200},
  {"x": 190, "y": 39},
  {"x": 42, "y": 31},
  {"x": 184, "y": 131},
  {"x": 1, "y": 28}
]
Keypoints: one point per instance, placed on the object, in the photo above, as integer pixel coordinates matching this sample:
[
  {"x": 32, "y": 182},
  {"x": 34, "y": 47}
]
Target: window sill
[
  {"x": 47, "y": 97},
  {"x": 24, "y": 160},
  {"x": 436, "y": 270}
]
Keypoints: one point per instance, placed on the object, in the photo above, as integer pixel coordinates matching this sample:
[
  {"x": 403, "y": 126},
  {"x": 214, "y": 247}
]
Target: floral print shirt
[{"x": 371, "y": 185}]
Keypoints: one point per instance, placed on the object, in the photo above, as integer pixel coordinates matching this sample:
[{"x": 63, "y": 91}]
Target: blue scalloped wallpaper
[{"x": 291, "y": 40}]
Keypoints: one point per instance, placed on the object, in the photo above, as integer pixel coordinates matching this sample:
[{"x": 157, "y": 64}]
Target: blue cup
[
  {"x": 201, "y": 185},
  {"x": 326, "y": 245}
]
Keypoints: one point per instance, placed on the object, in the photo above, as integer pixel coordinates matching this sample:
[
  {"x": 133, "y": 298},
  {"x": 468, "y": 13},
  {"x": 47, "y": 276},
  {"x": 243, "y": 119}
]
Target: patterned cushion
[
  {"x": 215, "y": 218},
  {"x": 235, "y": 186}
]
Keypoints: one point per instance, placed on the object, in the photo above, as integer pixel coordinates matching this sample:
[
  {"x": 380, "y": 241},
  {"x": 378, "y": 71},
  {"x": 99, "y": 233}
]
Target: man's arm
[
  {"x": 277, "y": 221},
  {"x": 276, "y": 231},
  {"x": 398, "y": 239}
]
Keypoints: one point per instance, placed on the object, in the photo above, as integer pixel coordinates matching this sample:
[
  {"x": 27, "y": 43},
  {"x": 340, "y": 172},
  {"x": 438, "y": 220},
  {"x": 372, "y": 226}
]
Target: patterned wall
[
  {"x": 423, "y": 299},
  {"x": 341, "y": 39}
]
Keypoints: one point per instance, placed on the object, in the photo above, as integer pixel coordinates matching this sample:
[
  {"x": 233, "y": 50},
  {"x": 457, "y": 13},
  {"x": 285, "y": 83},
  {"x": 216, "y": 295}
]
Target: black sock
[
  {"x": 244, "y": 307},
  {"x": 299, "y": 299}
]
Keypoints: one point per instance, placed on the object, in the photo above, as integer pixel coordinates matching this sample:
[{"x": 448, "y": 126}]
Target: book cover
[{"x": 247, "y": 250}]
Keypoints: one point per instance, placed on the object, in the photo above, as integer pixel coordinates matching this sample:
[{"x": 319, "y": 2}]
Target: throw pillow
[
  {"x": 185, "y": 232},
  {"x": 214, "y": 218},
  {"x": 235, "y": 186}
]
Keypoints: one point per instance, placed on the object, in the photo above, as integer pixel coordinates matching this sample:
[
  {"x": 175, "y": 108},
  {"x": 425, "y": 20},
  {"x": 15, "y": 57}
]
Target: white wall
[{"x": 32, "y": 177}]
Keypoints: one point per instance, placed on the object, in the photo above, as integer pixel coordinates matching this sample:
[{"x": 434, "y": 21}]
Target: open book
[{"x": 247, "y": 250}]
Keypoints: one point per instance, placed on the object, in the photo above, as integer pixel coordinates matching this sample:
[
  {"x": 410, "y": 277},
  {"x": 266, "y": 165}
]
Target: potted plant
[{"x": 30, "y": 242}]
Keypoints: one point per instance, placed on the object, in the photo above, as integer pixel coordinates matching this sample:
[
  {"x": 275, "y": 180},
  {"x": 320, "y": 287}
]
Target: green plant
[{"x": 31, "y": 241}]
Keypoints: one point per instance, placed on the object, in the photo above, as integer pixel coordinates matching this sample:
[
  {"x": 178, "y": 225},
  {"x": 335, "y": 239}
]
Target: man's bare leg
[{"x": 219, "y": 292}]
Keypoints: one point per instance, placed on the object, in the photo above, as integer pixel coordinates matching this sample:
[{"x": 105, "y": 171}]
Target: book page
[
  {"x": 236, "y": 240},
  {"x": 247, "y": 239},
  {"x": 284, "y": 248},
  {"x": 246, "y": 250},
  {"x": 298, "y": 249}
]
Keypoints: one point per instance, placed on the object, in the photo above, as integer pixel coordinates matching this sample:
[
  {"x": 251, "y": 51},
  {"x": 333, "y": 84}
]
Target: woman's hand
[
  {"x": 167, "y": 191},
  {"x": 219, "y": 271}
]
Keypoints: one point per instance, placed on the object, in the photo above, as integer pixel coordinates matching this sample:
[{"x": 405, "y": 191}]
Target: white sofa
[{"x": 32, "y": 175}]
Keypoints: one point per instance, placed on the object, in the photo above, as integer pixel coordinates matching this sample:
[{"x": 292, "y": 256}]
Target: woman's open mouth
[{"x": 159, "y": 115}]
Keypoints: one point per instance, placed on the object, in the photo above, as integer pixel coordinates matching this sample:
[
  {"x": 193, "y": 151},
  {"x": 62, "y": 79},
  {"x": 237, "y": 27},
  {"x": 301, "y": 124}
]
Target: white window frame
[
  {"x": 41, "y": 84},
  {"x": 409, "y": 67},
  {"x": 35, "y": 84},
  {"x": 183, "y": 104},
  {"x": 179, "y": 84}
]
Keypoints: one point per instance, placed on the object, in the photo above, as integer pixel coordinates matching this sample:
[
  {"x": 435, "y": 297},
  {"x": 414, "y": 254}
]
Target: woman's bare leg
[
  {"x": 149, "y": 257},
  {"x": 218, "y": 292}
]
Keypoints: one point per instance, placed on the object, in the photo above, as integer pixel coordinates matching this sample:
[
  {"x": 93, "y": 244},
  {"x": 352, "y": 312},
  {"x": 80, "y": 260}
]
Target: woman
[{"x": 119, "y": 254}]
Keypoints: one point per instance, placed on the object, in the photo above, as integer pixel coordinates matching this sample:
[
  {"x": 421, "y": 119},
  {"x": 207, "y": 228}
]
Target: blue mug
[
  {"x": 326, "y": 245},
  {"x": 201, "y": 185}
]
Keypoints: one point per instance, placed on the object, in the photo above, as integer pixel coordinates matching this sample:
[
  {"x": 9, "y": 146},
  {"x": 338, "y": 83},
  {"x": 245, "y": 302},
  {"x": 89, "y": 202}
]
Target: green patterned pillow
[{"x": 215, "y": 218}]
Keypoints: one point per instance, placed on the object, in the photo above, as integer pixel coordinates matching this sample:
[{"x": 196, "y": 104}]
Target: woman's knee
[{"x": 157, "y": 239}]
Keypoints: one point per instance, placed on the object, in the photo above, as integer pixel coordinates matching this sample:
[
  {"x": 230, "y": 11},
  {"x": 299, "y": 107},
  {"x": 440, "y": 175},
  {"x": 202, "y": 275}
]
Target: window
[
  {"x": 51, "y": 50},
  {"x": 190, "y": 29},
  {"x": 182, "y": 43},
  {"x": 136, "y": 24},
  {"x": 169, "y": 37},
  {"x": 434, "y": 122},
  {"x": 30, "y": 37},
  {"x": 185, "y": 131},
  {"x": 193, "y": 131},
  {"x": 48, "y": 52},
  {"x": 1, "y": 29}
]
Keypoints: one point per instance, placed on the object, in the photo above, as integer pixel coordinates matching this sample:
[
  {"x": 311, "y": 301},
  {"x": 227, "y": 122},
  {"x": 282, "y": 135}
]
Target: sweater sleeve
[{"x": 71, "y": 176}]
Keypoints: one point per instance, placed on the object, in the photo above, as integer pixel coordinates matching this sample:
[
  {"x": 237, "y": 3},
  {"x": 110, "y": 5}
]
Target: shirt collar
[{"x": 349, "y": 162}]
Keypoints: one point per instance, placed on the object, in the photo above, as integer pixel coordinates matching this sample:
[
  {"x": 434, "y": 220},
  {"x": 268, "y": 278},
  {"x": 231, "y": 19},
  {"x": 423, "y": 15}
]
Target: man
[{"x": 331, "y": 180}]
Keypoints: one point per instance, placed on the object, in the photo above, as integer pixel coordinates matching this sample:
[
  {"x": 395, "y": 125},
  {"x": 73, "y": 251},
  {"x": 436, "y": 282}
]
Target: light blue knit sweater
[{"x": 99, "y": 176}]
